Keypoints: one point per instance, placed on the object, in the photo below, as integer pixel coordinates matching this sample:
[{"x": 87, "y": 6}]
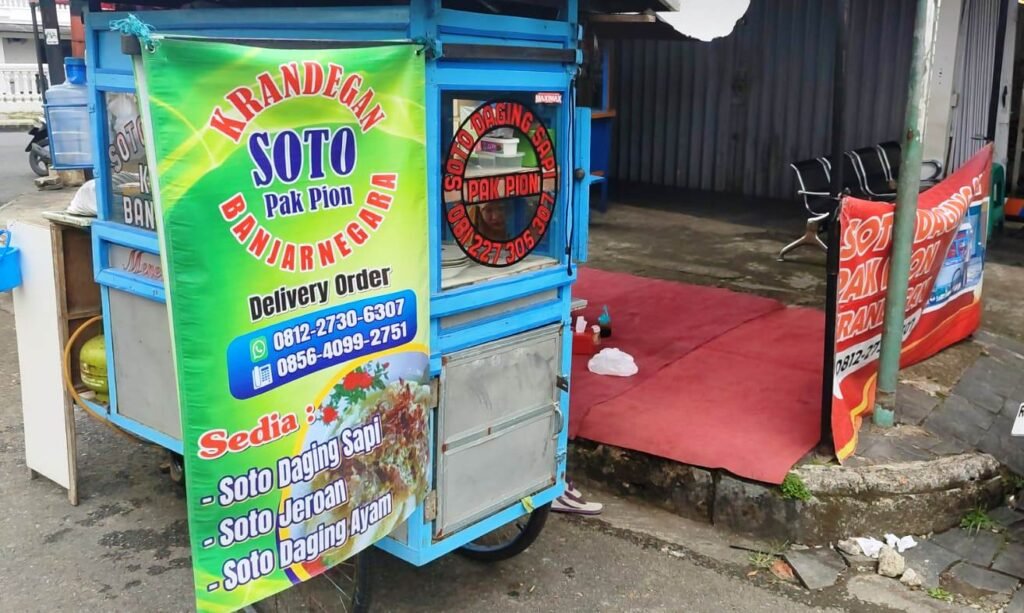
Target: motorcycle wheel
[{"x": 38, "y": 164}]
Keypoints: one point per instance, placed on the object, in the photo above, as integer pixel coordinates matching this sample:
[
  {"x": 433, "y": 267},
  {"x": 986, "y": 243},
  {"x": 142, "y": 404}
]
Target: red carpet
[{"x": 727, "y": 380}]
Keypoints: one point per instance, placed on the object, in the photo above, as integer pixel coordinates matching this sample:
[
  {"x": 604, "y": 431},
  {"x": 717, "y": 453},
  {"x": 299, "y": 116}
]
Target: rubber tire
[
  {"x": 177, "y": 469},
  {"x": 37, "y": 165},
  {"x": 534, "y": 526}
]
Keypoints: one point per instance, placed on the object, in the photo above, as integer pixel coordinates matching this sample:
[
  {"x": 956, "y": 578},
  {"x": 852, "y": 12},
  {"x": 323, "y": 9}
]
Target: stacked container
[{"x": 67, "y": 119}]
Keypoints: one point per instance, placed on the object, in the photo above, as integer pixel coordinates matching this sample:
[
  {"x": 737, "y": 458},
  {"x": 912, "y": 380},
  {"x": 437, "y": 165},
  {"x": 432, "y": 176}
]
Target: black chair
[
  {"x": 872, "y": 173},
  {"x": 814, "y": 179},
  {"x": 853, "y": 182},
  {"x": 890, "y": 153}
]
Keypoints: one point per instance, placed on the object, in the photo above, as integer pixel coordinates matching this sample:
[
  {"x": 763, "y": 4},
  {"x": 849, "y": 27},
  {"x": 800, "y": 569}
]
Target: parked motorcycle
[{"x": 39, "y": 148}]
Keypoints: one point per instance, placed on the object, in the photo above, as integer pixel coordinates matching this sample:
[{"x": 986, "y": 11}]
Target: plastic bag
[
  {"x": 84, "y": 202},
  {"x": 614, "y": 363}
]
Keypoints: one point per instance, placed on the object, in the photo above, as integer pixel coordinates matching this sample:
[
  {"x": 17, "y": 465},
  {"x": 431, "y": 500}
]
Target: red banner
[{"x": 944, "y": 290}]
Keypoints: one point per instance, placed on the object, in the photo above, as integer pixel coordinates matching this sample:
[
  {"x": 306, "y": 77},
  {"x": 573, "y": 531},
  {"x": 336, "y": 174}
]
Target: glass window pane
[
  {"x": 130, "y": 200},
  {"x": 501, "y": 180}
]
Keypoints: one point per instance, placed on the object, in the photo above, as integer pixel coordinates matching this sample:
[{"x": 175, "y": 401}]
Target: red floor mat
[
  {"x": 657, "y": 322},
  {"x": 726, "y": 380}
]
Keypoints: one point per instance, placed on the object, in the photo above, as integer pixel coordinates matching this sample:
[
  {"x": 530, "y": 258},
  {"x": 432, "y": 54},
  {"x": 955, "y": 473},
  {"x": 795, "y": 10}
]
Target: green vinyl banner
[{"x": 291, "y": 193}]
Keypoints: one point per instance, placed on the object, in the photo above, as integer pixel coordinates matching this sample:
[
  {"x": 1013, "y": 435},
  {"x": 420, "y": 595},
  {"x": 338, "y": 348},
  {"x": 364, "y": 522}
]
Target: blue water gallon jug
[{"x": 67, "y": 118}]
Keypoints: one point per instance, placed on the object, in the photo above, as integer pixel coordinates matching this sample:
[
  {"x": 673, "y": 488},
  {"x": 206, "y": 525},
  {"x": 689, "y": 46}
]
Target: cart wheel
[
  {"x": 510, "y": 540},
  {"x": 351, "y": 581},
  {"x": 176, "y": 470},
  {"x": 343, "y": 588}
]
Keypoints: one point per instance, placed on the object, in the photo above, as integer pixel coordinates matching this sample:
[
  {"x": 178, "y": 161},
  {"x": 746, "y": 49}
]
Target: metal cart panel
[
  {"x": 499, "y": 409},
  {"x": 143, "y": 365}
]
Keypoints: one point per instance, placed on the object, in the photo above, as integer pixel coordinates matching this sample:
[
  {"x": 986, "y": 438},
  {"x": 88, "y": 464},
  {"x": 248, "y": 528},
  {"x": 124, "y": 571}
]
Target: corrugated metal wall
[
  {"x": 730, "y": 115},
  {"x": 972, "y": 84}
]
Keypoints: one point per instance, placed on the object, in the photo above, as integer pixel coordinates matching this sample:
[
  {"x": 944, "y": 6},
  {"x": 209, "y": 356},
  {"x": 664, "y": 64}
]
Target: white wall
[{"x": 18, "y": 51}]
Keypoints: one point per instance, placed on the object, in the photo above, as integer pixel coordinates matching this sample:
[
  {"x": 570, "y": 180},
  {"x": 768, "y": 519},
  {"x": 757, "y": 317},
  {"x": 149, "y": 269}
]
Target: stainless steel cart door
[{"x": 499, "y": 420}]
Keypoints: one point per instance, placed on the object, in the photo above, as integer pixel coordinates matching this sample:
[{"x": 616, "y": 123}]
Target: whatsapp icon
[{"x": 258, "y": 349}]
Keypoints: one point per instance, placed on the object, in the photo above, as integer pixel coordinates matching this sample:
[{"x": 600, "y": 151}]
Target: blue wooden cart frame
[{"x": 423, "y": 22}]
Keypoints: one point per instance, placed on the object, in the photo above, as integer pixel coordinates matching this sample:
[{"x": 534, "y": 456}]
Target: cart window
[
  {"x": 501, "y": 184},
  {"x": 129, "y": 200}
]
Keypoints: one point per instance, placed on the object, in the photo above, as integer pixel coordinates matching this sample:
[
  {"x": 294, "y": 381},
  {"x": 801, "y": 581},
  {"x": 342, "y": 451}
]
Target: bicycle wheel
[
  {"x": 510, "y": 540},
  {"x": 344, "y": 588},
  {"x": 350, "y": 584}
]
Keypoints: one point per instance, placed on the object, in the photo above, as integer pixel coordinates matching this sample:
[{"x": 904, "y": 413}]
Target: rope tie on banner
[
  {"x": 428, "y": 46},
  {"x": 133, "y": 26}
]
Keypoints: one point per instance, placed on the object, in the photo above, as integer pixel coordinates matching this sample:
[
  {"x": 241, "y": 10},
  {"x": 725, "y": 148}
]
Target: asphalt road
[
  {"x": 15, "y": 175},
  {"x": 125, "y": 547}
]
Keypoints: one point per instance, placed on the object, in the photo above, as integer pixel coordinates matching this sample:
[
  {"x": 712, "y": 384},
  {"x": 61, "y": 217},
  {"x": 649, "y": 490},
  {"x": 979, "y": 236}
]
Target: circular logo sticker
[{"x": 500, "y": 183}]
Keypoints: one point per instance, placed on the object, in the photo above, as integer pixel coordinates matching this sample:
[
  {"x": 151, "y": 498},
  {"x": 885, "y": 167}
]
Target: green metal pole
[{"x": 907, "y": 187}]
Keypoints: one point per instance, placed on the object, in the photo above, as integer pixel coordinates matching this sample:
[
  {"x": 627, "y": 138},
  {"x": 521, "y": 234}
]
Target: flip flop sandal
[
  {"x": 566, "y": 504},
  {"x": 572, "y": 501},
  {"x": 570, "y": 490}
]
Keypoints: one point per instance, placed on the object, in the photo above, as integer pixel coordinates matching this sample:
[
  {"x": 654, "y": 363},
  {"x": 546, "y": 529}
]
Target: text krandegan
[{"x": 245, "y": 103}]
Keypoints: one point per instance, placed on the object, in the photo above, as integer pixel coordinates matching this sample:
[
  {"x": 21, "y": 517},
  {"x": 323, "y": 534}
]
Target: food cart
[{"x": 471, "y": 358}]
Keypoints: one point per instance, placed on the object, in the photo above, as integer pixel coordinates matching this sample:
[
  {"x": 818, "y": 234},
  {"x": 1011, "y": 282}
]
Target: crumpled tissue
[{"x": 872, "y": 546}]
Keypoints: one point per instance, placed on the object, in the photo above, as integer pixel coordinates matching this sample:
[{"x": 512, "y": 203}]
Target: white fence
[
  {"x": 19, "y": 89},
  {"x": 17, "y": 11}
]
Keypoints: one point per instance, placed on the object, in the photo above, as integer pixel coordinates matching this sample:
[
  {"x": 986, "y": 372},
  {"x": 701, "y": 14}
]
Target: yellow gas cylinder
[{"x": 93, "y": 360}]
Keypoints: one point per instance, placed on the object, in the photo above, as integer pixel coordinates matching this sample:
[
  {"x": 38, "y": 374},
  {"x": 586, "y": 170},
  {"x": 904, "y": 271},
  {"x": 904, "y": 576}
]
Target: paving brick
[
  {"x": 914, "y": 405},
  {"x": 816, "y": 568},
  {"x": 1005, "y": 516},
  {"x": 978, "y": 391},
  {"x": 960, "y": 419},
  {"x": 1016, "y": 604},
  {"x": 971, "y": 580},
  {"x": 1004, "y": 447},
  {"x": 975, "y": 547},
  {"x": 1001, "y": 354},
  {"x": 1011, "y": 561},
  {"x": 999, "y": 340},
  {"x": 930, "y": 560},
  {"x": 896, "y": 450},
  {"x": 948, "y": 446},
  {"x": 1001, "y": 375}
]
